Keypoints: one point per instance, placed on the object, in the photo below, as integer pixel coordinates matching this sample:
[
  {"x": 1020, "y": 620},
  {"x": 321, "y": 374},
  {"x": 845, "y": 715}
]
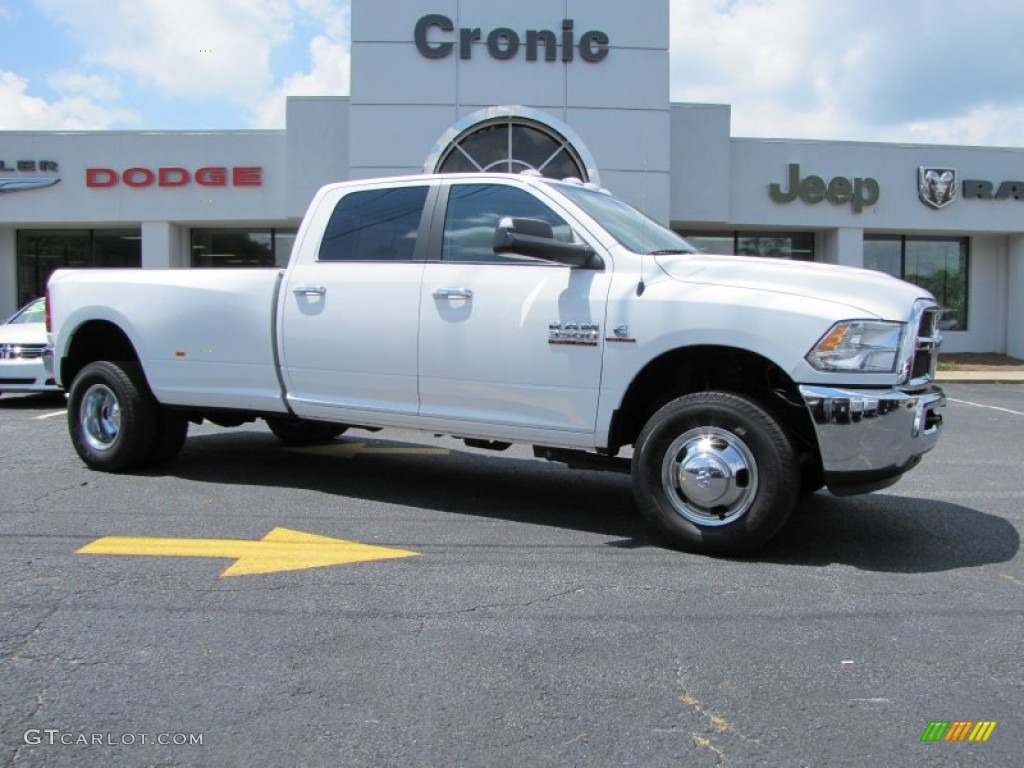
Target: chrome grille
[
  {"x": 21, "y": 351},
  {"x": 921, "y": 348},
  {"x": 926, "y": 352}
]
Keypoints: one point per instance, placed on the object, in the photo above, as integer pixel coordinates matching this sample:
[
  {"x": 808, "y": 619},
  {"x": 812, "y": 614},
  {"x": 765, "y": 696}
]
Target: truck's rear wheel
[
  {"x": 302, "y": 432},
  {"x": 172, "y": 430},
  {"x": 714, "y": 473},
  {"x": 112, "y": 418}
]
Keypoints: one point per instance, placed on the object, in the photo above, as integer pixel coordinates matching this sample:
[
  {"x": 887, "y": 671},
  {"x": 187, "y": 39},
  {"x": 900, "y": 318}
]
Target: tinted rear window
[{"x": 375, "y": 225}]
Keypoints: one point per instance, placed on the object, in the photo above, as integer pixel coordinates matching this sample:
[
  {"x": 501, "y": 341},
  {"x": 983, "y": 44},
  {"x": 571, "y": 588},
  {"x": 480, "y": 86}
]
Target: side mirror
[{"x": 536, "y": 238}]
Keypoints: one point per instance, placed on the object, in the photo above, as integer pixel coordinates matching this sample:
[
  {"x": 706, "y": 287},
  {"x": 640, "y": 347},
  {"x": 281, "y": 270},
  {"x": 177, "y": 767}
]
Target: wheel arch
[
  {"x": 707, "y": 367},
  {"x": 92, "y": 341}
]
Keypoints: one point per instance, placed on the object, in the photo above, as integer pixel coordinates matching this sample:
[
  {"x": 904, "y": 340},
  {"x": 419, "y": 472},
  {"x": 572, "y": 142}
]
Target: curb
[{"x": 989, "y": 377}]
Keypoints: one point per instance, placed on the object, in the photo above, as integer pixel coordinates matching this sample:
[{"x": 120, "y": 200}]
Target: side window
[
  {"x": 375, "y": 225},
  {"x": 474, "y": 211}
]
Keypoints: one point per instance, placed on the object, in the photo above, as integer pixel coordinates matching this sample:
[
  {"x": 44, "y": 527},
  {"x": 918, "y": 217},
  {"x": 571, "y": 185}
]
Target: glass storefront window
[
  {"x": 41, "y": 251},
  {"x": 117, "y": 248},
  {"x": 940, "y": 267},
  {"x": 776, "y": 245},
  {"x": 937, "y": 264},
  {"x": 884, "y": 254},
  {"x": 261, "y": 247},
  {"x": 712, "y": 242},
  {"x": 284, "y": 241}
]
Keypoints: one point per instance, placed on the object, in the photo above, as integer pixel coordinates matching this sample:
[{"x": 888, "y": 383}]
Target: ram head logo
[{"x": 936, "y": 186}]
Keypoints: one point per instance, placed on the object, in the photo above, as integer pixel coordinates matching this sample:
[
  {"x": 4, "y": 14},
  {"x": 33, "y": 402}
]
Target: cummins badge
[{"x": 936, "y": 186}]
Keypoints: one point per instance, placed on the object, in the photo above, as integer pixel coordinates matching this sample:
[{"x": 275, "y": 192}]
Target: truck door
[
  {"x": 507, "y": 341},
  {"x": 350, "y": 312}
]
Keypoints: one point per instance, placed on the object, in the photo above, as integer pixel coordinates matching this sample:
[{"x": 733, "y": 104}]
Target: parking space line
[
  {"x": 49, "y": 415},
  {"x": 982, "y": 405}
]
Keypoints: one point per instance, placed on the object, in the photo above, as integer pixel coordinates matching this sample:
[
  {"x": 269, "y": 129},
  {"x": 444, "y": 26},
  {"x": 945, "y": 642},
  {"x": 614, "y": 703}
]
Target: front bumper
[
  {"x": 26, "y": 375},
  {"x": 869, "y": 438}
]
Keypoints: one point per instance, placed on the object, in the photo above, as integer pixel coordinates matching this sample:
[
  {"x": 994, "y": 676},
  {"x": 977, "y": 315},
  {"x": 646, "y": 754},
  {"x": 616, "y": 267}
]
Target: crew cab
[{"x": 516, "y": 309}]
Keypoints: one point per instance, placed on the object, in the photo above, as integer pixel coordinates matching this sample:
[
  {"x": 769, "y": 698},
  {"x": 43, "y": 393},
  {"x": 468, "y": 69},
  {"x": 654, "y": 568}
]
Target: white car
[{"x": 22, "y": 341}]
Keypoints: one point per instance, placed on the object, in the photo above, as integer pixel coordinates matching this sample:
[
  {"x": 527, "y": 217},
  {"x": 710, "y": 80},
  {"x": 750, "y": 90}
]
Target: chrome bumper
[{"x": 869, "y": 438}]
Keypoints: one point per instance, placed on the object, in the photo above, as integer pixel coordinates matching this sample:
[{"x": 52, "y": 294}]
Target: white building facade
[{"x": 565, "y": 87}]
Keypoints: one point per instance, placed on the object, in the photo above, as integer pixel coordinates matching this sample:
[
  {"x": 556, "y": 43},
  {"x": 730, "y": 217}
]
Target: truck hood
[
  {"x": 871, "y": 293},
  {"x": 23, "y": 333}
]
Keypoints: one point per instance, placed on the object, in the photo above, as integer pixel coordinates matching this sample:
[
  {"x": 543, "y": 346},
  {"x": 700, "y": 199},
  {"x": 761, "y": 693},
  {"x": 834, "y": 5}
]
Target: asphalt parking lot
[{"x": 534, "y": 625}]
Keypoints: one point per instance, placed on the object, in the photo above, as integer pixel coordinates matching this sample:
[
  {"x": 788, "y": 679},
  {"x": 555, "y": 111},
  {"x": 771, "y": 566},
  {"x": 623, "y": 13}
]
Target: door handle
[
  {"x": 309, "y": 290},
  {"x": 453, "y": 293}
]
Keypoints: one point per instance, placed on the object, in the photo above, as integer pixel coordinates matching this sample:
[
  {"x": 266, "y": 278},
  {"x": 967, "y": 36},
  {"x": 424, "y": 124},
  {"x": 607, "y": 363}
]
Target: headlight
[{"x": 869, "y": 346}]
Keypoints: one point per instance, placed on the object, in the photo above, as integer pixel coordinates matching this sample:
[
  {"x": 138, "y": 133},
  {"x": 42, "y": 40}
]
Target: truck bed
[{"x": 204, "y": 337}]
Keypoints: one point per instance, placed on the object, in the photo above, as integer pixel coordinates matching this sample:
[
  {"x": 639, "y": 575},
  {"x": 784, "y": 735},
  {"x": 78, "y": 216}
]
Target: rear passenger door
[
  {"x": 493, "y": 360},
  {"x": 349, "y": 320}
]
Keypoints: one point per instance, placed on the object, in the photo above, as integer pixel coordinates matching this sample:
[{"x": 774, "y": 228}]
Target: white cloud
[
  {"x": 71, "y": 82},
  {"x": 911, "y": 71},
  {"x": 333, "y": 16},
  {"x": 202, "y": 50},
  {"x": 329, "y": 76},
  {"x": 330, "y": 62},
  {"x": 985, "y": 126},
  {"x": 189, "y": 49},
  {"x": 907, "y": 71},
  {"x": 24, "y": 112}
]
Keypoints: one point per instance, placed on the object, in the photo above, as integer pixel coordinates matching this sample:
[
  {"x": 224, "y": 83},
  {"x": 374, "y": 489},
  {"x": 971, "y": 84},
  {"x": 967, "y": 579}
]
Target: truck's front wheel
[
  {"x": 714, "y": 473},
  {"x": 112, "y": 418}
]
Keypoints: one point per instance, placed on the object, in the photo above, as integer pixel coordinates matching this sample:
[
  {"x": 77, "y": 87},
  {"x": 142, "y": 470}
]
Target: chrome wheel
[
  {"x": 714, "y": 473},
  {"x": 100, "y": 417},
  {"x": 116, "y": 424},
  {"x": 709, "y": 476}
]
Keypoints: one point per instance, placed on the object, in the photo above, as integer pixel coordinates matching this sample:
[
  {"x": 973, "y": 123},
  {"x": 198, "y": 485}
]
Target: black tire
[
  {"x": 171, "y": 433},
  {"x": 302, "y": 432},
  {"x": 112, "y": 417},
  {"x": 715, "y": 473}
]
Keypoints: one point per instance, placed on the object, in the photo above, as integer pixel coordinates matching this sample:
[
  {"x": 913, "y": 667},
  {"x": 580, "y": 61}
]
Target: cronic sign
[{"x": 436, "y": 38}]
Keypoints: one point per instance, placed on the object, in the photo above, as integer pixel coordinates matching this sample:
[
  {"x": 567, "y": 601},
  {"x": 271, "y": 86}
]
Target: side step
[{"x": 583, "y": 460}]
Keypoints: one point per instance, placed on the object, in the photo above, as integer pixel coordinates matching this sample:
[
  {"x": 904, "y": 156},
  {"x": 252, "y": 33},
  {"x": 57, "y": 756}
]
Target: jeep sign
[{"x": 840, "y": 190}]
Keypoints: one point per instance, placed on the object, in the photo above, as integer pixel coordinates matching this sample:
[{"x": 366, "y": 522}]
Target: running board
[{"x": 583, "y": 459}]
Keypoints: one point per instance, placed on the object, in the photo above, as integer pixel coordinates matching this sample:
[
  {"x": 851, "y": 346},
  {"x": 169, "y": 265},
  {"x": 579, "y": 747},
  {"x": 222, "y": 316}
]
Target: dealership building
[{"x": 565, "y": 87}]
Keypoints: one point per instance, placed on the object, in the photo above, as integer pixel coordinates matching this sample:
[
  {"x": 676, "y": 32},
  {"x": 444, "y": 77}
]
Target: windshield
[
  {"x": 32, "y": 313},
  {"x": 626, "y": 224}
]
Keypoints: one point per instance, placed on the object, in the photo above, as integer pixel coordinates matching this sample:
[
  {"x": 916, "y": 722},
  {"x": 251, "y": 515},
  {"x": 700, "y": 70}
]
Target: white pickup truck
[{"x": 514, "y": 309}]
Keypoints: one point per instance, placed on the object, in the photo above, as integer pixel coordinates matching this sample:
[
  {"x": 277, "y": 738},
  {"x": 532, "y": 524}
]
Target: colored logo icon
[{"x": 958, "y": 730}]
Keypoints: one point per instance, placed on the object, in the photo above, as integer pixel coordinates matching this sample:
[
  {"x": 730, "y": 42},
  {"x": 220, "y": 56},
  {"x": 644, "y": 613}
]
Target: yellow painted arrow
[
  {"x": 348, "y": 450},
  {"x": 280, "y": 550}
]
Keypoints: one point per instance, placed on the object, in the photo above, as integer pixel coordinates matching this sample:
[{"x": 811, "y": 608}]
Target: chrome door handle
[
  {"x": 453, "y": 293},
  {"x": 309, "y": 290}
]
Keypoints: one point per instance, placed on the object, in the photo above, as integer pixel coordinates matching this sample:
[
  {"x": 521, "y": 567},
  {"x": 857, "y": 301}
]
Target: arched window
[{"x": 512, "y": 145}]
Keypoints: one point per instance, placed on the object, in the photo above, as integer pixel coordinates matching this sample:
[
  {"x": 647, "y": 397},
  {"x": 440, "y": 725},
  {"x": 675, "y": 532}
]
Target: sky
[{"x": 907, "y": 71}]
